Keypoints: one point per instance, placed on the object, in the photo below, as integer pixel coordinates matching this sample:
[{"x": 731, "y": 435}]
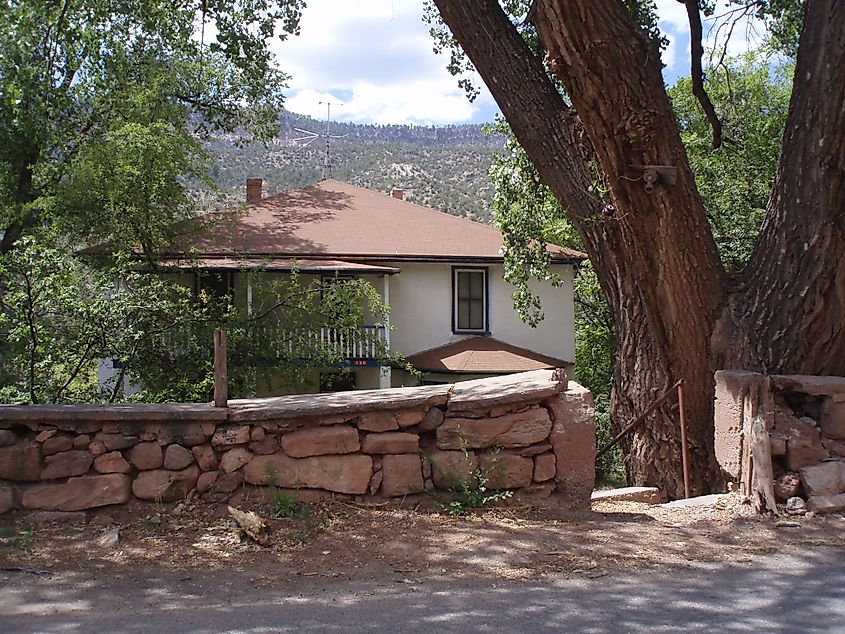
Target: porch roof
[
  {"x": 482, "y": 355},
  {"x": 277, "y": 264}
]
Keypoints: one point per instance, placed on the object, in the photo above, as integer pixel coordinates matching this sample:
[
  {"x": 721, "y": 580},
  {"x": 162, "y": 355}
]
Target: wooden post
[{"x": 221, "y": 374}]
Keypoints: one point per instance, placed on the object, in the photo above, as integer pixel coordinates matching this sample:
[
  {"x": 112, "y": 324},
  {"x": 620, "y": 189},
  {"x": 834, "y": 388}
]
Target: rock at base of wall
[
  {"x": 55, "y": 444},
  {"x": 391, "y": 443},
  {"x": 21, "y": 462},
  {"x": 573, "y": 438},
  {"x": 66, "y": 464},
  {"x": 825, "y": 478},
  {"x": 544, "y": 467},
  {"x": 402, "y": 474},
  {"x": 506, "y": 470},
  {"x": 826, "y": 503},
  {"x": 341, "y": 474},
  {"x": 451, "y": 468},
  {"x": 79, "y": 494},
  {"x": 7, "y": 499},
  {"x": 265, "y": 446},
  {"x": 512, "y": 430},
  {"x": 787, "y": 486},
  {"x": 234, "y": 459},
  {"x": 321, "y": 441},
  {"x": 205, "y": 481},
  {"x": 161, "y": 485}
]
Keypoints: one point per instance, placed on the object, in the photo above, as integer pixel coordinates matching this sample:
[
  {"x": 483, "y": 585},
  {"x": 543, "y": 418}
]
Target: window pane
[
  {"x": 463, "y": 314},
  {"x": 463, "y": 285},
  {"x": 476, "y": 315},
  {"x": 477, "y": 285}
]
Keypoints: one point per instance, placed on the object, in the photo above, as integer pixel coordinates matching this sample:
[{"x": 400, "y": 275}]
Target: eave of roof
[{"x": 275, "y": 264}]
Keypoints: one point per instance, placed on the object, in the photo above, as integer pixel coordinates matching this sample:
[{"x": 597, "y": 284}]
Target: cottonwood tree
[{"x": 678, "y": 313}]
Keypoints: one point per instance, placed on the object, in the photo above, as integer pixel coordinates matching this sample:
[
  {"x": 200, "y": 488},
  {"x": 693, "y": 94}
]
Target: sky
[{"x": 372, "y": 61}]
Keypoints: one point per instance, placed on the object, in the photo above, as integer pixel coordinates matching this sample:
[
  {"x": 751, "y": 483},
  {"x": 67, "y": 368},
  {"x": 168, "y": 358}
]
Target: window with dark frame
[{"x": 470, "y": 306}]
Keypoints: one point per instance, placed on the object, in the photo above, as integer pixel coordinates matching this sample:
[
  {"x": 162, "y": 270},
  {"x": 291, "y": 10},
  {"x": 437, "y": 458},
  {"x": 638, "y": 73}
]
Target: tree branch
[{"x": 697, "y": 71}]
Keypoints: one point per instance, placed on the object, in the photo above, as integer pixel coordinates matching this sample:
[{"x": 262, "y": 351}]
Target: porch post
[{"x": 384, "y": 374}]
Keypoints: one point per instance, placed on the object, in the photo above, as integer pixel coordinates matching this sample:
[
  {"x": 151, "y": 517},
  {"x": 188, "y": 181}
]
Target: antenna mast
[{"x": 311, "y": 136}]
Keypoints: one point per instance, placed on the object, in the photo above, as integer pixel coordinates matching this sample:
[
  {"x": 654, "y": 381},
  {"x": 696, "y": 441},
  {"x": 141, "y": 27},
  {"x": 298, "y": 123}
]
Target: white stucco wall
[{"x": 421, "y": 311}]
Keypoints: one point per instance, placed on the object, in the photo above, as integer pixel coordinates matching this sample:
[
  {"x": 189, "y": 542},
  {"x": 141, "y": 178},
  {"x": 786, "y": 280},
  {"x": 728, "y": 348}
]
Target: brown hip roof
[{"x": 482, "y": 355}]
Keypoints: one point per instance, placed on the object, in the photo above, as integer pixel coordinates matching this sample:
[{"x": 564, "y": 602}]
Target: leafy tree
[
  {"x": 77, "y": 75},
  {"x": 678, "y": 313}
]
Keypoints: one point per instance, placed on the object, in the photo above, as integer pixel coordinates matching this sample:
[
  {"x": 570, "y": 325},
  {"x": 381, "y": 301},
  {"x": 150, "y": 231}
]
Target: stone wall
[
  {"x": 805, "y": 416},
  {"x": 532, "y": 432}
]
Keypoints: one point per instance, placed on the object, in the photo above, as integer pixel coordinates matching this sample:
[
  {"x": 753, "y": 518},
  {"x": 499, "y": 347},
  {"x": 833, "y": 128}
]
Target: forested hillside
[{"x": 444, "y": 168}]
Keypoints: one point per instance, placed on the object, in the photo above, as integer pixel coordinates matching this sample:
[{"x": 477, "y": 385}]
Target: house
[{"x": 451, "y": 311}]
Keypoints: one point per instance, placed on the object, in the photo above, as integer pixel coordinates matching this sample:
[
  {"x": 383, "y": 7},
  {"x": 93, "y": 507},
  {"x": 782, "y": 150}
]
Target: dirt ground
[{"x": 400, "y": 542}]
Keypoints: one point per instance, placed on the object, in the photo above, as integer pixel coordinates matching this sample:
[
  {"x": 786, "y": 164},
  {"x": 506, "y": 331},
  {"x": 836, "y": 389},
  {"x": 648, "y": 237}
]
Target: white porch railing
[{"x": 371, "y": 343}]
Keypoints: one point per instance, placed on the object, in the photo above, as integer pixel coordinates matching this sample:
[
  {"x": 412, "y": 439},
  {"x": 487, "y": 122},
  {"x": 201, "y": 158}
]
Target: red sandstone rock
[
  {"x": 96, "y": 448},
  {"x": 208, "y": 429},
  {"x": 834, "y": 447},
  {"x": 533, "y": 450},
  {"x": 825, "y": 478},
  {"x": 320, "y": 441},
  {"x": 226, "y": 483},
  {"x": 803, "y": 441},
  {"x": 432, "y": 420},
  {"x": 66, "y": 464},
  {"x": 506, "y": 470},
  {"x": 45, "y": 435},
  {"x": 7, "y": 498},
  {"x": 7, "y": 438},
  {"x": 230, "y": 435},
  {"x": 257, "y": 434},
  {"x": 82, "y": 441},
  {"x": 401, "y": 475},
  {"x": 544, "y": 467},
  {"x": 409, "y": 418},
  {"x": 21, "y": 461},
  {"x": 205, "y": 457},
  {"x": 833, "y": 419},
  {"x": 78, "y": 494},
  {"x": 145, "y": 456},
  {"x": 512, "y": 430},
  {"x": 266, "y": 445},
  {"x": 205, "y": 481},
  {"x": 787, "y": 486},
  {"x": 375, "y": 482},
  {"x": 176, "y": 458},
  {"x": 161, "y": 485},
  {"x": 391, "y": 442},
  {"x": 573, "y": 438},
  {"x": 113, "y": 462},
  {"x": 115, "y": 441},
  {"x": 826, "y": 503},
  {"x": 378, "y": 421},
  {"x": 234, "y": 459},
  {"x": 449, "y": 468},
  {"x": 56, "y": 444},
  {"x": 341, "y": 474}
]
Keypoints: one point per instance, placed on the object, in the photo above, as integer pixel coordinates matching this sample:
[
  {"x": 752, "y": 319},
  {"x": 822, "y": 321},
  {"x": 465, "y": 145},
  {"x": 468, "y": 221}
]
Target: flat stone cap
[{"x": 171, "y": 412}]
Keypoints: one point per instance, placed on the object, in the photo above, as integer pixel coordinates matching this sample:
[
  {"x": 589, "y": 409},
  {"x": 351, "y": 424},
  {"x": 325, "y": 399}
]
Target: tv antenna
[{"x": 311, "y": 136}]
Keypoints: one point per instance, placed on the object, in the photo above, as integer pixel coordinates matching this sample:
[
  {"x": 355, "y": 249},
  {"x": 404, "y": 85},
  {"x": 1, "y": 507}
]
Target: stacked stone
[
  {"x": 387, "y": 448},
  {"x": 807, "y": 434}
]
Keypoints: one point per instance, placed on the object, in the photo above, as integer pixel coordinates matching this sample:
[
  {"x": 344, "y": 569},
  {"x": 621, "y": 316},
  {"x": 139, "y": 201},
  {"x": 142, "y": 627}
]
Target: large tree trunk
[{"x": 677, "y": 314}]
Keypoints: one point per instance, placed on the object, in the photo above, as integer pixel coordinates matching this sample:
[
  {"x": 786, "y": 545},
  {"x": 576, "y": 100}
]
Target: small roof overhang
[
  {"x": 276, "y": 264},
  {"x": 482, "y": 355}
]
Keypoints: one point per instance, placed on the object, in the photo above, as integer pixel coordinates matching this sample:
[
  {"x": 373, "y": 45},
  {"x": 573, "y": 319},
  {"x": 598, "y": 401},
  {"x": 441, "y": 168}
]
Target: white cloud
[{"x": 377, "y": 59}]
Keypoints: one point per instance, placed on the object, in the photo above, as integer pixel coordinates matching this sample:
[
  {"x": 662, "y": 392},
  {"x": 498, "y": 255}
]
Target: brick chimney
[
  {"x": 254, "y": 187},
  {"x": 398, "y": 193}
]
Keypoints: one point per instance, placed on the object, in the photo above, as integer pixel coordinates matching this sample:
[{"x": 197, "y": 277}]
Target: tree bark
[{"x": 677, "y": 313}]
